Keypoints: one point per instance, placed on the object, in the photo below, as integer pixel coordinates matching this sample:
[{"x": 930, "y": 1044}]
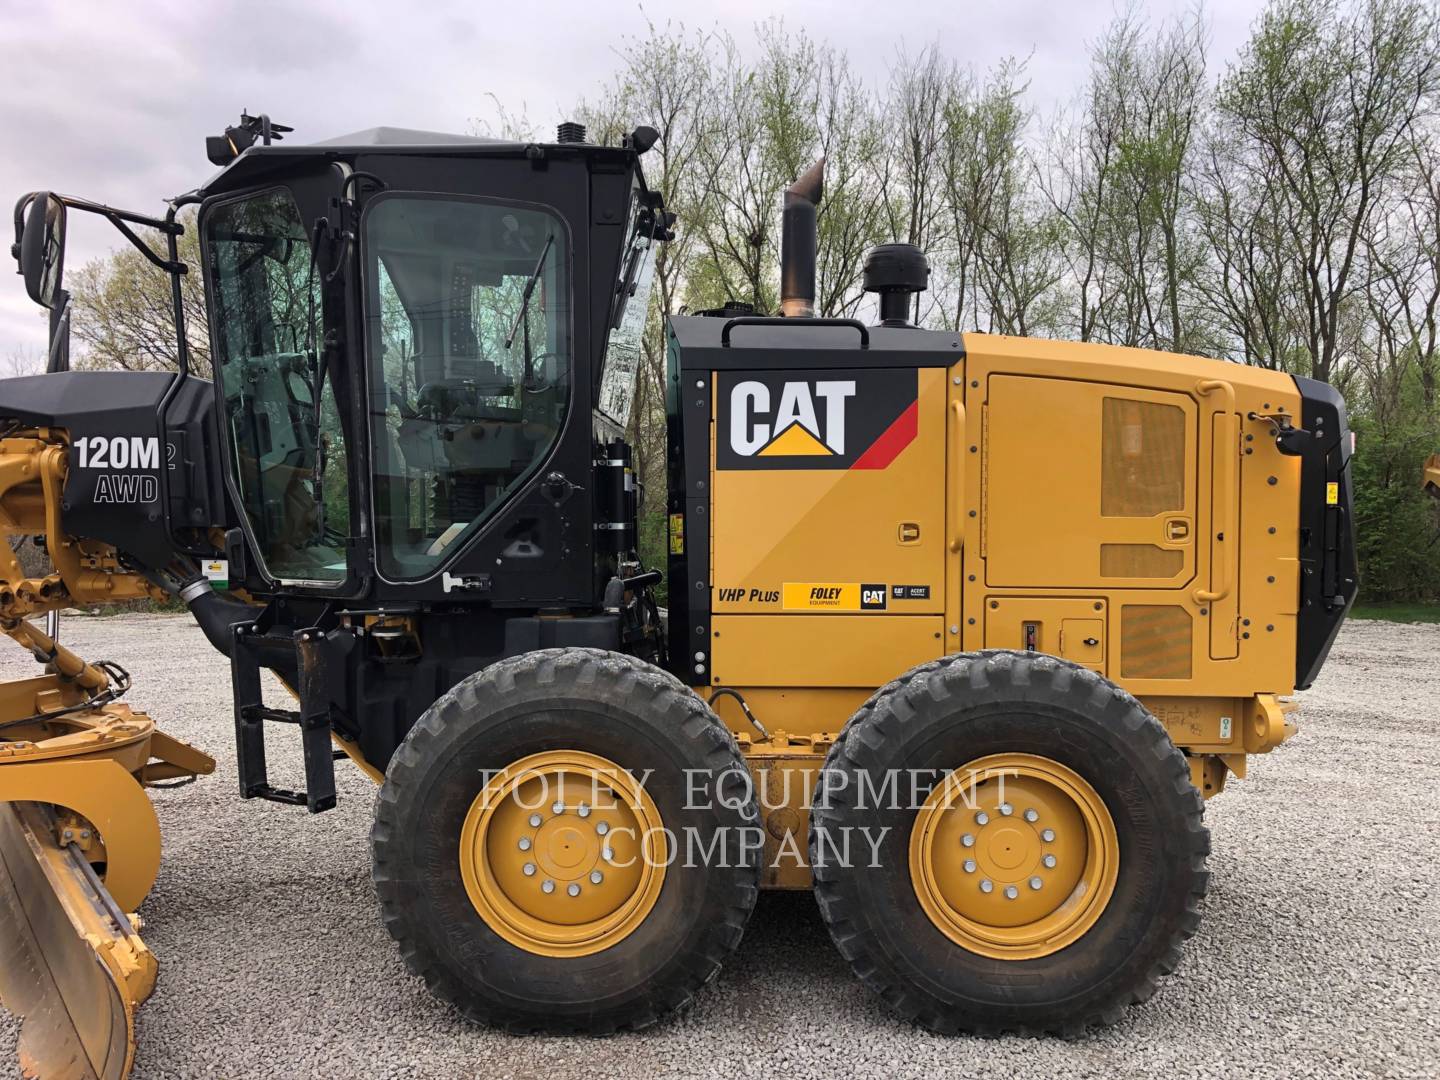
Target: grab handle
[
  {"x": 957, "y": 469},
  {"x": 1224, "y": 489},
  {"x": 769, "y": 320}
]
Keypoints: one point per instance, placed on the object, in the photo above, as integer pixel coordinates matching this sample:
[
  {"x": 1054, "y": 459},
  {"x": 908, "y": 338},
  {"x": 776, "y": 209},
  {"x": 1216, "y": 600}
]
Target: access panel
[
  {"x": 829, "y": 492},
  {"x": 1088, "y": 485}
]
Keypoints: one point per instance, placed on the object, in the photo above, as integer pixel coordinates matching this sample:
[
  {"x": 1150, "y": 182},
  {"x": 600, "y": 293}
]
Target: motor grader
[{"x": 959, "y": 630}]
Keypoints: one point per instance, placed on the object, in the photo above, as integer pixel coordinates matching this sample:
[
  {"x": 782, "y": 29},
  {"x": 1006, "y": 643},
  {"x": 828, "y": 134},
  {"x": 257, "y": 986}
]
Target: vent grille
[
  {"x": 1140, "y": 561},
  {"x": 1143, "y": 458},
  {"x": 1155, "y": 642}
]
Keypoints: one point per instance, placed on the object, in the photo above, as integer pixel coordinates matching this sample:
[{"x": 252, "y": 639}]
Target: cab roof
[{"x": 258, "y": 162}]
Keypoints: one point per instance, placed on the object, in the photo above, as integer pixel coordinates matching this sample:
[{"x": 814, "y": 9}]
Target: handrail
[
  {"x": 1229, "y": 492},
  {"x": 957, "y": 488},
  {"x": 771, "y": 320}
]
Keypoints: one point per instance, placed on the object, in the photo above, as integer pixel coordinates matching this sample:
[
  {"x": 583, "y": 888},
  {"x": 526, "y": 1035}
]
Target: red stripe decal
[{"x": 892, "y": 440}]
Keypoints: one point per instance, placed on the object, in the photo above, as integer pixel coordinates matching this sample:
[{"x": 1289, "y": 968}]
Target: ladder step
[
  {"x": 280, "y": 795},
  {"x": 312, "y": 718},
  {"x": 256, "y": 713}
]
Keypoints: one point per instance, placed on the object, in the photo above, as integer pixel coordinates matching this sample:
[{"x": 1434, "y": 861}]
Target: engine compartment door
[{"x": 1088, "y": 484}]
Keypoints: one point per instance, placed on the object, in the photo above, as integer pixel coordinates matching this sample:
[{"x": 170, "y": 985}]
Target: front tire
[
  {"x": 1043, "y": 907},
  {"x": 627, "y": 894}
]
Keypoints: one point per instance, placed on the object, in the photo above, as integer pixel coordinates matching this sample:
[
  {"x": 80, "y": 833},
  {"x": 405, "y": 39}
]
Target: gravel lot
[{"x": 1319, "y": 954}]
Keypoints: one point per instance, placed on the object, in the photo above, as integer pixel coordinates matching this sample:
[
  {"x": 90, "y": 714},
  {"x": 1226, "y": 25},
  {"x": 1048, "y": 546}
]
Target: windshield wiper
[{"x": 521, "y": 322}]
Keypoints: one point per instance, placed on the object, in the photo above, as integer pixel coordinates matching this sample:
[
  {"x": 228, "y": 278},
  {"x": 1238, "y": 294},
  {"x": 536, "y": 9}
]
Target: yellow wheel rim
[
  {"x": 563, "y": 853},
  {"x": 1014, "y": 856}
]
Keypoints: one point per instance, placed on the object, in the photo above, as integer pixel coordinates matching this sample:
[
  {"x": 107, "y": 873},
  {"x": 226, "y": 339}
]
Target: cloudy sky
[{"x": 113, "y": 100}]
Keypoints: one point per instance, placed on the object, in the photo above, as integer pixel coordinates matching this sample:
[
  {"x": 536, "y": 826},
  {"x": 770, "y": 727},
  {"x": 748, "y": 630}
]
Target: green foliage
[
  {"x": 124, "y": 316},
  {"x": 1397, "y": 525},
  {"x": 655, "y": 545},
  {"x": 1401, "y": 613}
]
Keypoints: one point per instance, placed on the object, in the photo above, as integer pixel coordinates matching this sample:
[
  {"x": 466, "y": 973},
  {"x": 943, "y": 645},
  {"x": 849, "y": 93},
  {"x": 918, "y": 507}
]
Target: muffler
[{"x": 798, "y": 243}]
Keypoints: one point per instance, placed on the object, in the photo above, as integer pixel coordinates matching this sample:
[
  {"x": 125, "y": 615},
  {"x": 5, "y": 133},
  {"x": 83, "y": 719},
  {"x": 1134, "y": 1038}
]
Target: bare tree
[
  {"x": 1323, "y": 104},
  {"x": 1004, "y": 241},
  {"x": 912, "y": 182}
]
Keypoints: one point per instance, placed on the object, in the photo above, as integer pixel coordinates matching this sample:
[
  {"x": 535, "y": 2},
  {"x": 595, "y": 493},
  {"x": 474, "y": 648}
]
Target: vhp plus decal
[{"x": 854, "y": 419}]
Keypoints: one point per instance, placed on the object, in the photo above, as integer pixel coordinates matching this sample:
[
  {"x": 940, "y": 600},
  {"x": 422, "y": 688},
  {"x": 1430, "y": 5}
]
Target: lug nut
[
  {"x": 1031, "y": 815},
  {"x": 986, "y": 885},
  {"x": 969, "y": 866},
  {"x": 1036, "y": 884},
  {"x": 602, "y": 827},
  {"x": 982, "y": 818},
  {"x": 558, "y": 808},
  {"x": 1047, "y": 835},
  {"x": 548, "y": 887},
  {"x": 967, "y": 840},
  {"x": 584, "y": 810},
  {"x": 1049, "y": 862},
  {"x": 535, "y": 820},
  {"x": 1006, "y": 809},
  {"x": 525, "y": 843},
  {"x": 573, "y": 889},
  {"x": 596, "y": 877},
  {"x": 529, "y": 869},
  {"x": 607, "y": 855},
  {"x": 1011, "y": 892}
]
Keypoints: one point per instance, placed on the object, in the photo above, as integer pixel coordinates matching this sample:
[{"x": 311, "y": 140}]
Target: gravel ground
[{"x": 1319, "y": 953}]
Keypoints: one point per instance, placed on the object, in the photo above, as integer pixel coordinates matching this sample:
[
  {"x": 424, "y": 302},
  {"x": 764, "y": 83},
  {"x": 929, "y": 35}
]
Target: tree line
[{"x": 1281, "y": 209}]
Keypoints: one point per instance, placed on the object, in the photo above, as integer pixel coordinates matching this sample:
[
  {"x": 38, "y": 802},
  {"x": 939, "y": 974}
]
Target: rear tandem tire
[
  {"x": 571, "y": 705},
  {"x": 1081, "y": 733}
]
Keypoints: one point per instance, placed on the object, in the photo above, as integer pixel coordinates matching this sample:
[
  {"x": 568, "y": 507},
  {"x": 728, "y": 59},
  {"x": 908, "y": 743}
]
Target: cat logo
[
  {"x": 858, "y": 419},
  {"x": 796, "y": 430}
]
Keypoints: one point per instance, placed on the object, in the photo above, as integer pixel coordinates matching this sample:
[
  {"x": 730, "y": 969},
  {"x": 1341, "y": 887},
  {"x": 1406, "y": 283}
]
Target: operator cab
[
  {"x": 411, "y": 328},
  {"x": 413, "y": 450}
]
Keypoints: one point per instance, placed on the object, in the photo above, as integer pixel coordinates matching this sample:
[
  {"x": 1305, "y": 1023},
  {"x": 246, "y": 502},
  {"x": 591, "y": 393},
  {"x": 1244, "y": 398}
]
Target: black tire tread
[
  {"x": 659, "y": 692},
  {"x": 883, "y": 717}
]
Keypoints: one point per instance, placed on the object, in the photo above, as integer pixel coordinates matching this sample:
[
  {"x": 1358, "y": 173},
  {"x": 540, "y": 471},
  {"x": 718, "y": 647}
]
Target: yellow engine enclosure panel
[
  {"x": 1149, "y": 481},
  {"x": 779, "y": 533},
  {"x": 1088, "y": 483},
  {"x": 821, "y": 650},
  {"x": 1074, "y": 629}
]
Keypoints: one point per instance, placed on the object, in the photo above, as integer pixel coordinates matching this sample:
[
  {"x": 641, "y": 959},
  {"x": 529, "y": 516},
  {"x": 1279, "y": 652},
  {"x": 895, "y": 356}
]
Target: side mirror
[{"x": 42, "y": 249}]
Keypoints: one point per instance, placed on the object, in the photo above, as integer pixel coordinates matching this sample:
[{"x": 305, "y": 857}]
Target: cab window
[
  {"x": 469, "y": 365},
  {"x": 286, "y": 439}
]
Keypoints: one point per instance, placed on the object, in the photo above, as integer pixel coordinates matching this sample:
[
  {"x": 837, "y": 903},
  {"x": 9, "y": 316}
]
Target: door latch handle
[{"x": 1177, "y": 530}]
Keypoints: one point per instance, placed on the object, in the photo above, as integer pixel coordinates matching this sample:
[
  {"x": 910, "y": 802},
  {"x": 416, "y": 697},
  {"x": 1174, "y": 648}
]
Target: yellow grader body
[{"x": 1110, "y": 574}]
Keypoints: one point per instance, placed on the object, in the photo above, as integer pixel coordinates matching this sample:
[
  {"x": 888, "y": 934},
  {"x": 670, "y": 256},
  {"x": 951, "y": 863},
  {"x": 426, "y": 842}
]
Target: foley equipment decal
[
  {"x": 855, "y": 419},
  {"x": 832, "y": 596}
]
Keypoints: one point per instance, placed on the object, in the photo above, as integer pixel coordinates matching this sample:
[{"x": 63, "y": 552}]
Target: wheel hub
[
  {"x": 563, "y": 853},
  {"x": 1014, "y": 856}
]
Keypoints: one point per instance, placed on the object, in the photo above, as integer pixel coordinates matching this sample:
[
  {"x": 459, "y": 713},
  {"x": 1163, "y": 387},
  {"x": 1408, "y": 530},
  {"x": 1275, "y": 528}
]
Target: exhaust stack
[{"x": 797, "y": 243}]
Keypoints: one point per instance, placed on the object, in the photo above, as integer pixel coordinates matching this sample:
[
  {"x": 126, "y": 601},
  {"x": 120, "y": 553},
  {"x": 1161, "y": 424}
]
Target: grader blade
[
  {"x": 79, "y": 847},
  {"x": 71, "y": 964}
]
